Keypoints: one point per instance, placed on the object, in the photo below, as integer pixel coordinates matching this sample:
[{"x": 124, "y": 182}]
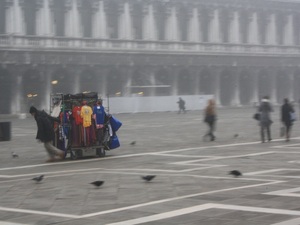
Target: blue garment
[
  {"x": 115, "y": 123},
  {"x": 99, "y": 111},
  {"x": 114, "y": 142}
]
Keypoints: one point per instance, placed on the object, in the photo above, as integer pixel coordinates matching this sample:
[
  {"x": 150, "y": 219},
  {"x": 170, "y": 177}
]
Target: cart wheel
[
  {"x": 101, "y": 152},
  {"x": 74, "y": 154}
]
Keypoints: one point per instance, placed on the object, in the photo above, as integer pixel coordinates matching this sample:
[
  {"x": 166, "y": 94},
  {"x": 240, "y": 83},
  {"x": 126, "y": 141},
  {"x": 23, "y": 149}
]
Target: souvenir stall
[{"x": 85, "y": 129}]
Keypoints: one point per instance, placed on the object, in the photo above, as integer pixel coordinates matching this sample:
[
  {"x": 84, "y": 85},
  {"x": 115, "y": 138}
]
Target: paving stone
[{"x": 175, "y": 152}]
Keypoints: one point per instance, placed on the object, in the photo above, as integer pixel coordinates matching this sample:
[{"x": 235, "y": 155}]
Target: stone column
[
  {"x": 194, "y": 26},
  {"x": 289, "y": 31},
  {"x": 76, "y": 81},
  {"x": 104, "y": 85},
  {"x": 194, "y": 72},
  {"x": 291, "y": 94},
  {"x": 290, "y": 76},
  {"x": 172, "y": 25},
  {"x": 235, "y": 34},
  {"x": 216, "y": 73},
  {"x": 127, "y": 92},
  {"x": 254, "y": 75},
  {"x": 215, "y": 36},
  {"x": 201, "y": 26},
  {"x": 99, "y": 20},
  {"x": 44, "y": 19},
  {"x": 126, "y": 23},
  {"x": 47, "y": 74},
  {"x": 96, "y": 19},
  {"x": 196, "y": 83},
  {"x": 68, "y": 22},
  {"x": 39, "y": 22},
  {"x": 167, "y": 22},
  {"x": 76, "y": 18},
  {"x": 146, "y": 22},
  {"x": 73, "y": 24},
  {"x": 273, "y": 84},
  {"x": 101, "y": 80},
  {"x": 174, "y": 88},
  {"x": 18, "y": 18},
  {"x": 235, "y": 101},
  {"x": 9, "y": 18},
  {"x": 151, "y": 75},
  {"x": 18, "y": 100},
  {"x": 271, "y": 30},
  {"x": 121, "y": 22},
  {"x": 152, "y": 24},
  {"x": 253, "y": 29},
  {"x": 149, "y": 28},
  {"x": 48, "y": 19}
]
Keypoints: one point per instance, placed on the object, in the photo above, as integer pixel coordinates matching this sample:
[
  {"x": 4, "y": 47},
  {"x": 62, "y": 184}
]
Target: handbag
[
  {"x": 293, "y": 116},
  {"x": 114, "y": 142},
  {"x": 256, "y": 116}
]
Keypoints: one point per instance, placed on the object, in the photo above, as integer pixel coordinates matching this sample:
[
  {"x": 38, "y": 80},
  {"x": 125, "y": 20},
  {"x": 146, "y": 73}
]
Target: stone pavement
[{"x": 192, "y": 185}]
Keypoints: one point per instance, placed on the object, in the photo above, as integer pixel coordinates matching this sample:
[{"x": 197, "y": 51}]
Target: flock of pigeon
[
  {"x": 147, "y": 178},
  {"x": 96, "y": 183}
]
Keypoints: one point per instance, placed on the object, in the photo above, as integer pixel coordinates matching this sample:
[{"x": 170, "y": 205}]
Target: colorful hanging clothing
[
  {"x": 76, "y": 111},
  {"x": 99, "y": 115},
  {"x": 86, "y": 115}
]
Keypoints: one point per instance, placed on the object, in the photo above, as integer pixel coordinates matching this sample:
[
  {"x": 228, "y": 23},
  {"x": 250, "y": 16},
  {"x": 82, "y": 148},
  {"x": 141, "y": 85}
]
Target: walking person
[
  {"x": 287, "y": 111},
  {"x": 210, "y": 118},
  {"x": 181, "y": 105},
  {"x": 265, "y": 110},
  {"x": 45, "y": 133}
]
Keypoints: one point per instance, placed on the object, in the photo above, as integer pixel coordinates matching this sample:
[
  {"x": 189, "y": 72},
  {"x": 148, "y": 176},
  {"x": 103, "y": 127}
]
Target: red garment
[
  {"x": 76, "y": 115},
  {"x": 88, "y": 135}
]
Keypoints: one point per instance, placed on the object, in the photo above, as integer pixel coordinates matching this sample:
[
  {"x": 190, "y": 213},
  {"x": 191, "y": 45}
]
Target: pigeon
[
  {"x": 148, "y": 178},
  {"x": 38, "y": 179},
  {"x": 14, "y": 155},
  {"x": 235, "y": 173},
  {"x": 97, "y": 183},
  {"x": 133, "y": 143}
]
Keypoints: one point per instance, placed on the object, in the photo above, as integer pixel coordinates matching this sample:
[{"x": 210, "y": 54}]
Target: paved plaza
[{"x": 191, "y": 187}]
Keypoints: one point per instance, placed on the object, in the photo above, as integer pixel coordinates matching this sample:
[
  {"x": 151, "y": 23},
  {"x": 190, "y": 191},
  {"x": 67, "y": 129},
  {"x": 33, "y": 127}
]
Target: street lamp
[{"x": 31, "y": 95}]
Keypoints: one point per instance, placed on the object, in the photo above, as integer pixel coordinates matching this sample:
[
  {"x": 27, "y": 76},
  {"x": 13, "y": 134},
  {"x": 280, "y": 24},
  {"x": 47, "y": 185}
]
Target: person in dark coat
[
  {"x": 265, "y": 110},
  {"x": 181, "y": 105},
  {"x": 287, "y": 121},
  {"x": 45, "y": 133}
]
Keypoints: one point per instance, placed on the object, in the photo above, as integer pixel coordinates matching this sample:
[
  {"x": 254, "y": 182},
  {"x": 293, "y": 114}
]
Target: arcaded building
[{"x": 236, "y": 50}]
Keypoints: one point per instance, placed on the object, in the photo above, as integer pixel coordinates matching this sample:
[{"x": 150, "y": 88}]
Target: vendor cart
[{"x": 72, "y": 135}]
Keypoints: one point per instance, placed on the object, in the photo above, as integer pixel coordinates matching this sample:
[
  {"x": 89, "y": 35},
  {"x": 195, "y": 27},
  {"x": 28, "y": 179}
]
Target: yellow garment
[{"x": 86, "y": 114}]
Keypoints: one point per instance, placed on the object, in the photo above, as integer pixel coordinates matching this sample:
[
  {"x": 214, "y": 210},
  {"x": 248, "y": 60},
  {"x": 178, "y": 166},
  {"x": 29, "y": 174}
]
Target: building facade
[{"x": 237, "y": 50}]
